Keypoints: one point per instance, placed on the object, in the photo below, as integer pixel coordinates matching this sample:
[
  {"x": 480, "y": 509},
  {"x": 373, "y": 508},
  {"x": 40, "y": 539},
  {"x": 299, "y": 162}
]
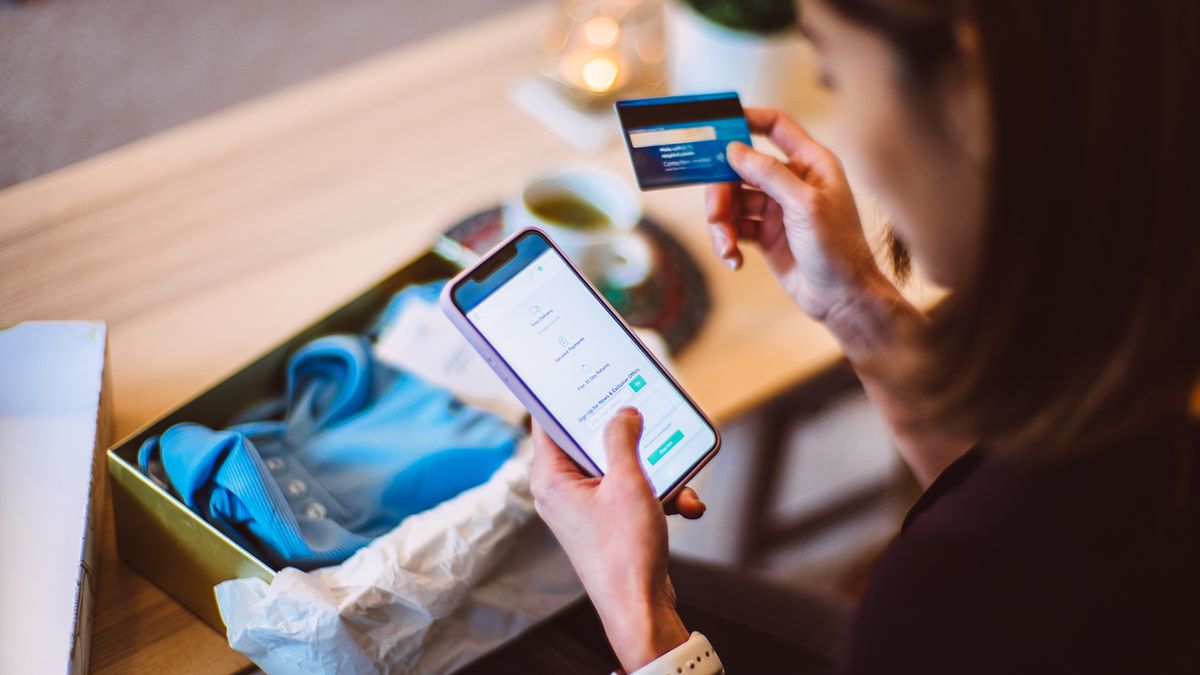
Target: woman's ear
[{"x": 968, "y": 102}]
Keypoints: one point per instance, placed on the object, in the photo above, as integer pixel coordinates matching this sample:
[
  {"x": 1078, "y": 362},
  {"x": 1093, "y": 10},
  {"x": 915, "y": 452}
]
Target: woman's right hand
[{"x": 801, "y": 213}]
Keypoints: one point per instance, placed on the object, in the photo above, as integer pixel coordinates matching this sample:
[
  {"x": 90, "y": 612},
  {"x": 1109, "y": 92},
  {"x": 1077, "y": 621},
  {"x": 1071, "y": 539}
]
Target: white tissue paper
[{"x": 442, "y": 589}]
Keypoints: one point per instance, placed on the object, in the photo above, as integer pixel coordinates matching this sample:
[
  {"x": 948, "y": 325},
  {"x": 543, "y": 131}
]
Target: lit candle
[
  {"x": 594, "y": 71},
  {"x": 594, "y": 56},
  {"x": 599, "y": 74}
]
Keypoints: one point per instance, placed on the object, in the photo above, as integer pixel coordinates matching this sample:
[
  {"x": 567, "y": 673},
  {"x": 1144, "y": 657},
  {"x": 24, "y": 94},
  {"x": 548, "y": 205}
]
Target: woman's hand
[
  {"x": 802, "y": 215},
  {"x": 614, "y": 530}
]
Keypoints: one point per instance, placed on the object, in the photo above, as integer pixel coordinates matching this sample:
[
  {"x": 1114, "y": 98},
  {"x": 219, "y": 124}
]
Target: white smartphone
[{"x": 573, "y": 362}]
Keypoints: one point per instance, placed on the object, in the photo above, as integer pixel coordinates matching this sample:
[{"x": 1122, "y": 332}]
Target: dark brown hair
[{"x": 1081, "y": 325}]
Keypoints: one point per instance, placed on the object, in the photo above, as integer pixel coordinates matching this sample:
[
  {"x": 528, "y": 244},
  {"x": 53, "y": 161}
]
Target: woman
[{"x": 1036, "y": 158}]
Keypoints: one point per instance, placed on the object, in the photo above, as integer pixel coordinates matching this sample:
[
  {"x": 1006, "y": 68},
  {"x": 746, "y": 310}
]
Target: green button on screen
[
  {"x": 666, "y": 446},
  {"x": 637, "y": 383}
]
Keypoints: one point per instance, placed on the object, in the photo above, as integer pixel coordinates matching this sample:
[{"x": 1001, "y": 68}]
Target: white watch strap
[{"x": 694, "y": 657}]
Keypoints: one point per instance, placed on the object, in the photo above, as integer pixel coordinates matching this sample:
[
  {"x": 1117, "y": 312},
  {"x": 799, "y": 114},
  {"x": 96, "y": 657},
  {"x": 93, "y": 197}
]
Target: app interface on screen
[
  {"x": 679, "y": 140},
  {"x": 582, "y": 365}
]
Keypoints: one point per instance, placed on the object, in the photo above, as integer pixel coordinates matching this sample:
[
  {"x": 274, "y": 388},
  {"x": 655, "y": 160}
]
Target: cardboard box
[
  {"x": 53, "y": 424},
  {"x": 163, "y": 539}
]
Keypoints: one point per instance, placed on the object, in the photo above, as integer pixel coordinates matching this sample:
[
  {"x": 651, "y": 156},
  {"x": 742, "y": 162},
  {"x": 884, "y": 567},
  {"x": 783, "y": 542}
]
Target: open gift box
[
  {"x": 165, "y": 540},
  {"x": 276, "y": 613}
]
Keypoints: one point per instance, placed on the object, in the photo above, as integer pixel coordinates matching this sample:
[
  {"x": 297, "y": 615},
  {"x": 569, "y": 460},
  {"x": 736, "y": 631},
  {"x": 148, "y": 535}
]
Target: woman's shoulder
[
  {"x": 1037, "y": 561},
  {"x": 1143, "y": 488}
]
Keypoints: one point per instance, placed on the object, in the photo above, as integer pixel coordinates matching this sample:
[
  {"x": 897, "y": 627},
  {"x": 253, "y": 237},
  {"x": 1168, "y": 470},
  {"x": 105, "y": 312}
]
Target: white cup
[{"x": 612, "y": 253}]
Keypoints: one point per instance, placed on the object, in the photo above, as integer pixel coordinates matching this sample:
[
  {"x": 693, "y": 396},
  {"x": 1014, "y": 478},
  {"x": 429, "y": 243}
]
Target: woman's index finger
[
  {"x": 549, "y": 459},
  {"x": 785, "y": 133}
]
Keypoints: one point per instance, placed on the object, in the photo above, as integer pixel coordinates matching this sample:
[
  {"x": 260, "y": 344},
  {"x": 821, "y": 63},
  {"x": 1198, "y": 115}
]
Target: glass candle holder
[{"x": 594, "y": 51}]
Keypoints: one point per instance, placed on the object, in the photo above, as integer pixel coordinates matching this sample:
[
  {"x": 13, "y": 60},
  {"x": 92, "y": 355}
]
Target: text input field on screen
[{"x": 606, "y": 409}]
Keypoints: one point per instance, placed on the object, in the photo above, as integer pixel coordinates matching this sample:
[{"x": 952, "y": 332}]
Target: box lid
[{"x": 50, "y": 426}]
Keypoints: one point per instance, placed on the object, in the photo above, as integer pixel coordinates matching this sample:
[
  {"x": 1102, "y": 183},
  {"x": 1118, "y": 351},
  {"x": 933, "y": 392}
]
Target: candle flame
[{"x": 599, "y": 73}]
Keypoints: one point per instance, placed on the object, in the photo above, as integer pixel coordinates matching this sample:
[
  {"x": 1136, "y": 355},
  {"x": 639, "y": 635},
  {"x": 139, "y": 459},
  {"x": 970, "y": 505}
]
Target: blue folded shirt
[{"x": 360, "y": 446}]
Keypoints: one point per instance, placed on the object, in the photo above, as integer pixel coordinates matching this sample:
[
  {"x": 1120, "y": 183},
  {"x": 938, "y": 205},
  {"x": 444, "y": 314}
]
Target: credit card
[{"x": 680, "y": 140}]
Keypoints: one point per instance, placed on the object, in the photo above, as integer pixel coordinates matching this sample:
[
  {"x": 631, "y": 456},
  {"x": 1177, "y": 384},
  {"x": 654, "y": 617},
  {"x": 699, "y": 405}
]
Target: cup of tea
[{"x": 592, "y": 215}]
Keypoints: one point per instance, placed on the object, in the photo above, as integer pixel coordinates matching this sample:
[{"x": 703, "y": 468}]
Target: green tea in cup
[
  {"x": 570, "y": 211},
  {"x": 592, "y": 215}
]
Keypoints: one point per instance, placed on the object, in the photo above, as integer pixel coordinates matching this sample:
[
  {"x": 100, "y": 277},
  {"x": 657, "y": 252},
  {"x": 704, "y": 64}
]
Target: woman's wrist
[
  {"x": 872, "y": 321},
  {"x": 880, "y": 334},
  {"x": 641, "y": 632}
]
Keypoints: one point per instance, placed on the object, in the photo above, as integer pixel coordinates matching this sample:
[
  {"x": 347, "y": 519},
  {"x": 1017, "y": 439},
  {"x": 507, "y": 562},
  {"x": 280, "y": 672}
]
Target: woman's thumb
[{"x": 621, "y": 435}]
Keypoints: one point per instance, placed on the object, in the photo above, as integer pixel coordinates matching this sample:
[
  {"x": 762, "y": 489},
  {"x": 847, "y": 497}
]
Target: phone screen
[{"x": 579, "y": 360}]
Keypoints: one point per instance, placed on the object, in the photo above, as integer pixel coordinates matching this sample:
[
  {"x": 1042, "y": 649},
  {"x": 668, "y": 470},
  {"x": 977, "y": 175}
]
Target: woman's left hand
[{"x": 614, "y": 530}]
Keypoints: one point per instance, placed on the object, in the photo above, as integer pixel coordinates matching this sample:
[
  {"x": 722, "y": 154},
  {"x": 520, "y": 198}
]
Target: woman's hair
[{"x": 1081, "y": 324}]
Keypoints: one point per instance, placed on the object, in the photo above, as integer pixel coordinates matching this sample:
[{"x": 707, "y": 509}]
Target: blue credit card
[{"x": 680, "y": 140}]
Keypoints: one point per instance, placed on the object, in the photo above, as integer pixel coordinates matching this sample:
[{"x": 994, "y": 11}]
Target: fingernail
[
  {"x": 629, "y": 411},
  {"x": 720, "y": 241},
  {"x": 731, "y": 263},
  {"x": 735, "y": 149}
]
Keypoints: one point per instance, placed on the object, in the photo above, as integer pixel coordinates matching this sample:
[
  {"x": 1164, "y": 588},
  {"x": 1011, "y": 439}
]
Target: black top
[{"x": 1084, "y": 564}]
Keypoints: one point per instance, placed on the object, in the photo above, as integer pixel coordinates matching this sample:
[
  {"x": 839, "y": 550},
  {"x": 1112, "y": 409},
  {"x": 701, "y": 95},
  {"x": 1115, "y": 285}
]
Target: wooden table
[{"x": 204, "y": 245}]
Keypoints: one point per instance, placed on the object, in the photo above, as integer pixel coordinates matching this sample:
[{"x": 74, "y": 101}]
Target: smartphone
[{"x": 573, "y": 361}]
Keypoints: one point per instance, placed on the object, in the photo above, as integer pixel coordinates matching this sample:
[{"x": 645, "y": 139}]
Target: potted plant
[{"x": 749, "y": 46}]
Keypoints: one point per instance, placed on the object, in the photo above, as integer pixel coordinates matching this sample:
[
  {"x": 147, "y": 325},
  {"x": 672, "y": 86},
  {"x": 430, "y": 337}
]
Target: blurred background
[{"x": 80, "y": 78}]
